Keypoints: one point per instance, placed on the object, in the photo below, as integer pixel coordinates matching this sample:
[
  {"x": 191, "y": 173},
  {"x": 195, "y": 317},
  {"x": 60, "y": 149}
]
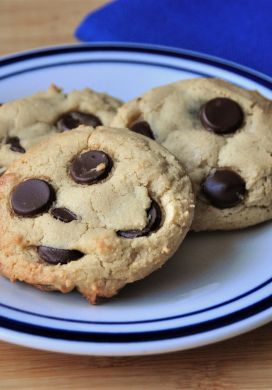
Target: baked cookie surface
[
  {"x": 25, "y": 122},
  {"x": 92, "y": 210},
  {"x": 222, "y": 134}
]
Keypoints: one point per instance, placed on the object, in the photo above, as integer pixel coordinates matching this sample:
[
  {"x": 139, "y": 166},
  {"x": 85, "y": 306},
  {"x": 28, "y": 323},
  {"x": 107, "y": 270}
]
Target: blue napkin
[{"x": 236, "y": 30}]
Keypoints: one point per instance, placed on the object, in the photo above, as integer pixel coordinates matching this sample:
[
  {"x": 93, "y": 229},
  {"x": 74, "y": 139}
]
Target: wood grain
[
  {"x": 243, "y": 363},
  {"x": 26, "y": 24}
]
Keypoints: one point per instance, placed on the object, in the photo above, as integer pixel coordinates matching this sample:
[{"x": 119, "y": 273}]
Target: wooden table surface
[{"x": 244, "y": 362}]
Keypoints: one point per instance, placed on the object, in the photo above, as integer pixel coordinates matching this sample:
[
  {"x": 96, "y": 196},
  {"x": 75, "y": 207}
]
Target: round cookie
[
  {"x": 222, "y": 134},
  {"x": 92, "y": 209},
  {"x": 27, "y": 121}
]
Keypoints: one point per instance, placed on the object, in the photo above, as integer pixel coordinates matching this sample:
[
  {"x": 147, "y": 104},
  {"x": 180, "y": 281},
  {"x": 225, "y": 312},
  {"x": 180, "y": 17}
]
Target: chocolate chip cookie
[
  {"x": 223, "y": 136},
  {"x": 27, "y": 121},
  {"x": 92, "y": 210}
]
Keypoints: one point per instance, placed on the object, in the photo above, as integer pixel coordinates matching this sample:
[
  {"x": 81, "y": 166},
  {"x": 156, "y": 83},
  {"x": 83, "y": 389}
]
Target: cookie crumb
[{"x": 165, "y": 250}]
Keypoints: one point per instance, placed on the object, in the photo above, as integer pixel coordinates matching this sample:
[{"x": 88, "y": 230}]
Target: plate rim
[
  {"x": 170, "y": 50},
  {"x": 169, "y": 318},
  {"x": 149, "y": 49}
]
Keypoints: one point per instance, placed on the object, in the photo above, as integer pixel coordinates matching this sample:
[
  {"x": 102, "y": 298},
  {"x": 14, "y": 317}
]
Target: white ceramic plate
[{"x": 217, "y": 285}]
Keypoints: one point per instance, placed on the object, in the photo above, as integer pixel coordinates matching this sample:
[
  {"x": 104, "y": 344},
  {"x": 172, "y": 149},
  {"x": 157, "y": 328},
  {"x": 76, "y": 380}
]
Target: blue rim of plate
[{"x": 234, "y": 317}]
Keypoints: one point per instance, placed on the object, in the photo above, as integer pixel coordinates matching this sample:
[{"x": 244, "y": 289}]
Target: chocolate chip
[
  {"x": 142, "y": 127},
  {"x": 58, "y": 256},
  {"x": 154, "y": 217},
  {"x": 63, "y": 214},
  {"x": 221, "y": 115},
  {"x": 91, "y": 167},
  {"x": 32, "y": 197},
  {"x": 15, "y": 145},
  {"x": 73, "y": 119},
  {"x": 224, "y": 188}
]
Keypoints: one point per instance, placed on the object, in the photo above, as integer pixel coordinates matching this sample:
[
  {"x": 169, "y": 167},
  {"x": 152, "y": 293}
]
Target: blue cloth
[{"x": 236, "y": 30}]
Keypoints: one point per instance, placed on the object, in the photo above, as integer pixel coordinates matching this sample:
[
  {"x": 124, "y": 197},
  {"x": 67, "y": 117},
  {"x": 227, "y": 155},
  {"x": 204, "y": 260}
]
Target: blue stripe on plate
[
  {"x": 269, "y": 281},
  {"x": 132, "y": 337},
  {"x": 161, "y": 50}
]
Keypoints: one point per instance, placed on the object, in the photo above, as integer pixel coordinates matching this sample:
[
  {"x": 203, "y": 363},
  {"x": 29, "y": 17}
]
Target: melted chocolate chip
[
  {"x": 58, "y": 256},
  {"x": 63, "y": 214},
  {"x": 224, "y": 188},
  {"x": 73, "y": 119},
  {"x": 32, "y": 197},
  {"x": 221, "y": 115},
  {"x": 90, "y": 167},
  {"x": 15, "y": 145},
  {"x": 142, "y": 127},
  {"x": 154, "y": 216}
]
